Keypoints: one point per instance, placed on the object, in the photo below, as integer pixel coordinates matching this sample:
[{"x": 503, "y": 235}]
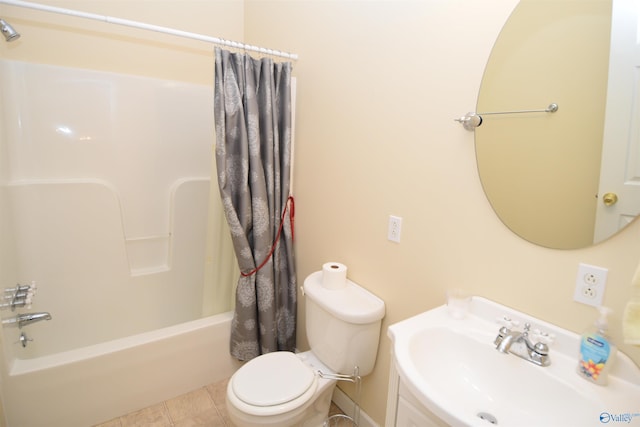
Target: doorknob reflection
[{"x": 610, "y": 199}]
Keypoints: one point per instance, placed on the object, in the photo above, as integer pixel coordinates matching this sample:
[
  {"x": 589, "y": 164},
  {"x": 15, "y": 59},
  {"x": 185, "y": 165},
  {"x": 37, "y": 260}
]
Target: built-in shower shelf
[
  {"x": 148, "y": 271},
  {"x": 148, "y": 255}
]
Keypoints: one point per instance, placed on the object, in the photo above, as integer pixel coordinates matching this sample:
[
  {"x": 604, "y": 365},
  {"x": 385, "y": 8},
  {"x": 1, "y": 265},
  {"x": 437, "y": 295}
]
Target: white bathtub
[
  {"x": 105, "y": 203},
  {"x": 90, "y": 385}
]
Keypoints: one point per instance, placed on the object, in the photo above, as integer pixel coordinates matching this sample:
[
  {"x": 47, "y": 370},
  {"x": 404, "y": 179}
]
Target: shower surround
[{"x": 105, "y": 204}]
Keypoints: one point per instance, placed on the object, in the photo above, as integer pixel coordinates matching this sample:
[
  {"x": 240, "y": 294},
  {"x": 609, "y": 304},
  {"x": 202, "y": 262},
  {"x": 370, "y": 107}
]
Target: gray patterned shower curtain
[{"x": 252, "y": 107}]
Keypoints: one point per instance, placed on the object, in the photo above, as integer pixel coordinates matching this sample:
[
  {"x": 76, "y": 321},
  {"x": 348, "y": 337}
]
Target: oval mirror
[{"x": 571, "y": 178}]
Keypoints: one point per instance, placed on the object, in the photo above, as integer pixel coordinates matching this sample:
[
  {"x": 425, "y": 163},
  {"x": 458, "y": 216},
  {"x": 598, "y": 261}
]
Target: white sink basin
[{"x": 452, "y": 367}]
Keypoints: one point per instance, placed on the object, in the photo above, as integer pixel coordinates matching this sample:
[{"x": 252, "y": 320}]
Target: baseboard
[{"x": 345, "y": 403}]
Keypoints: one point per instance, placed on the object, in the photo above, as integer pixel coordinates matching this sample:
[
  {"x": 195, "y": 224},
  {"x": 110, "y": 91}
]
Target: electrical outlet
[
  {"x": 395, "y": 226},
  {"x": 589, "y": 292},
  {"x": 590, "y": 279},
  {"x": 590, "y": 283}
]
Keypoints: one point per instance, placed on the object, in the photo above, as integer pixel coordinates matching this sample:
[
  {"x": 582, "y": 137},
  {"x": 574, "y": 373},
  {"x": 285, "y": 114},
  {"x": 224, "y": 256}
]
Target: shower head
[{"x": 8, "y": 32}]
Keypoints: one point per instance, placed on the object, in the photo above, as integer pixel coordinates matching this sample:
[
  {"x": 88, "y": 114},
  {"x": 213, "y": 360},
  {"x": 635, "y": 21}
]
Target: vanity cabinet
[{"x": 403, "y": 409}]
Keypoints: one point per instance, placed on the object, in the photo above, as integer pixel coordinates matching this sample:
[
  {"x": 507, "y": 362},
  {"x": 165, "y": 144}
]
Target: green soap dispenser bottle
[{"x": 597, "y": 352}]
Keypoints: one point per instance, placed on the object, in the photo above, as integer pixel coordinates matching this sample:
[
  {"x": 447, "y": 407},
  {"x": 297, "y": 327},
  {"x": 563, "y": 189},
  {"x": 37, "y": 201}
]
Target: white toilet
[{"x": 284, "y": 389}]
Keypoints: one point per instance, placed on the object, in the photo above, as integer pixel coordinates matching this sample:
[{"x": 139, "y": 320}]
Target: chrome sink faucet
[{"x": 519, "y": 344}]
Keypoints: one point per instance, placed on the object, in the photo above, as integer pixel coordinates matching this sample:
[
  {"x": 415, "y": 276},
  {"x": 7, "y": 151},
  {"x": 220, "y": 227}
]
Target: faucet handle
[
  {"x": 543, "y": 337},
  {"x": 541, "y": 348},
  {"x": 24, "y": 339},
  {"x": 507, "y": 322}
]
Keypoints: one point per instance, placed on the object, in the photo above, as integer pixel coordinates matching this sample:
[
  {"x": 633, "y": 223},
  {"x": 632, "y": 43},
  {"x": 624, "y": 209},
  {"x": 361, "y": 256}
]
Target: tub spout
[{"x": 29, "y": 318}]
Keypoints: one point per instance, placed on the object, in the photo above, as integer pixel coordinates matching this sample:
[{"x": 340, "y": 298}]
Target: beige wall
[
  {"x": 379, "y": 84},
  {"x": 70, "y": 41}
]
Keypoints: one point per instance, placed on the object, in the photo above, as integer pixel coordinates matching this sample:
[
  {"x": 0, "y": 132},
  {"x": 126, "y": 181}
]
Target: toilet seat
[{"x": 273, "y": 383}]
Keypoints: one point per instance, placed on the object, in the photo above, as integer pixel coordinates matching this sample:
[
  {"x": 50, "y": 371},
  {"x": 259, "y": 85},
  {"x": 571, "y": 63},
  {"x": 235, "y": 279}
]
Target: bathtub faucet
[
  {"x": 29, "y": 318},
  {"x": 20, "y": 296},
  {"x": 26, "y": 319}
]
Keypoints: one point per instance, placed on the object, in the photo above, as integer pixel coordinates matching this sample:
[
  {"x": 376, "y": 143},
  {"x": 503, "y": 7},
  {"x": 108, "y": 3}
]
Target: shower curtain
[{"x": 253, "y": 151}]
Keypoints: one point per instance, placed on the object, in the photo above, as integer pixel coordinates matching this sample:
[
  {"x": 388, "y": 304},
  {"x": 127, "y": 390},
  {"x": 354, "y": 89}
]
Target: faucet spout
[
  {"x": 536, "y": 353},
  {"x": 505, "y": 343},
  {"x": 29, "y": 318}
]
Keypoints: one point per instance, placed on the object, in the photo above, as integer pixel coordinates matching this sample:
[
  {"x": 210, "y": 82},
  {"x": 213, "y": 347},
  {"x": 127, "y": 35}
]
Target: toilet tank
[{"x": 343, "y": 325}]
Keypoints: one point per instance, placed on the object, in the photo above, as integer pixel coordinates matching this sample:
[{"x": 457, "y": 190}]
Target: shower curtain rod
[{"x": 150, "y": 27}]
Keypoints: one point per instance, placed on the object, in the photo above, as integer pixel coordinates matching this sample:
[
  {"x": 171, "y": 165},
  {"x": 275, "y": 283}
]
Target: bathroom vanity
[
  {"x": 447, "y": 370},
  {"x": 404, "y": 409}
]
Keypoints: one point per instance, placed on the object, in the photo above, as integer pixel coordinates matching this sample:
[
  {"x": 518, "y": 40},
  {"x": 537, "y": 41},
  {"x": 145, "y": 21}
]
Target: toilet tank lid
[{"x": 352, "y": 303}]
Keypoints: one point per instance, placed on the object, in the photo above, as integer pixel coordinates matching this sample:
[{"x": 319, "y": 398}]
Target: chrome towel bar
[{"x": 471, "y": 120}]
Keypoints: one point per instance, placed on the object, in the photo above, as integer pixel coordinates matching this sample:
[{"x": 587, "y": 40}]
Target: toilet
[{"x": 285, "y": 389}]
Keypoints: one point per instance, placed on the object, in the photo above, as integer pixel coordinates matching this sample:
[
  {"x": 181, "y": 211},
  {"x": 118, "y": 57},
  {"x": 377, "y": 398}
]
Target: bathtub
[
  {"x": 90, "y": 385},
  {"x": 106, "y": 204}
]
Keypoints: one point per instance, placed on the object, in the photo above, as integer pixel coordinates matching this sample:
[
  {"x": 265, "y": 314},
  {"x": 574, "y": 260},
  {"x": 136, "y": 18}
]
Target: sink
[{"x": 450, "y": 365}]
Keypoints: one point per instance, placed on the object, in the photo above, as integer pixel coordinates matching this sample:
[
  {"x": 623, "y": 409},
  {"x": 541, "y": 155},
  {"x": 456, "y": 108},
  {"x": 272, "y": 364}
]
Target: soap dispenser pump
[{"x": 597, "y": 352}]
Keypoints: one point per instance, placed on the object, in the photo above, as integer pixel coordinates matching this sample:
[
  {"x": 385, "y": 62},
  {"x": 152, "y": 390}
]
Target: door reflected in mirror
[{"x": 542, "y": 172}]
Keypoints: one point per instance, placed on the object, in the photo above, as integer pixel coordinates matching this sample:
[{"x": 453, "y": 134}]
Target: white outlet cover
[
  {"x": 590, "y": 284},
  {"x": 395, "y": 228}
]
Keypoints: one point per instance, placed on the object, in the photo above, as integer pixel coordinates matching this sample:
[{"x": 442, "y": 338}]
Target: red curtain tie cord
[{"x": 290, "y": 206}]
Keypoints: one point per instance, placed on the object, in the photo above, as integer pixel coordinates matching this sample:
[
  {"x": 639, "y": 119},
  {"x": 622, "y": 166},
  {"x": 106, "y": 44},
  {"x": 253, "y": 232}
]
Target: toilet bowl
[
  {"x": 284, "y": 389},
  {"x": 280, "y": 389}
]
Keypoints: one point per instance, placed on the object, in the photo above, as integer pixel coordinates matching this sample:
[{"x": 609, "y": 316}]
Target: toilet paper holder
[{"x": 354, "y": 378}]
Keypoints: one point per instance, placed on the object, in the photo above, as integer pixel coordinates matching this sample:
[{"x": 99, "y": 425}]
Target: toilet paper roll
[{"x": 334, "y": 275}]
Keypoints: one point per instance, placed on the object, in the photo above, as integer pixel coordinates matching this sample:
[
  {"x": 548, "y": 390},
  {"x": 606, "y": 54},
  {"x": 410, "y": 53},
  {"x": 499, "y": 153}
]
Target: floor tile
[
  {"x": 204, "y": 407},
  {"x": 153, "y": 416},
  {"x": 112, "y": 423},
  {"x": 218, "y": 392},
  {"x": 208, "y": 418},
  {"x": 190, "y": 404}
]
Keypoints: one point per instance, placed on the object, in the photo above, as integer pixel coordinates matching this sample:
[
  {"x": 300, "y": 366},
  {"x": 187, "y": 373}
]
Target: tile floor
[{"x": 204, "y": 407}]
